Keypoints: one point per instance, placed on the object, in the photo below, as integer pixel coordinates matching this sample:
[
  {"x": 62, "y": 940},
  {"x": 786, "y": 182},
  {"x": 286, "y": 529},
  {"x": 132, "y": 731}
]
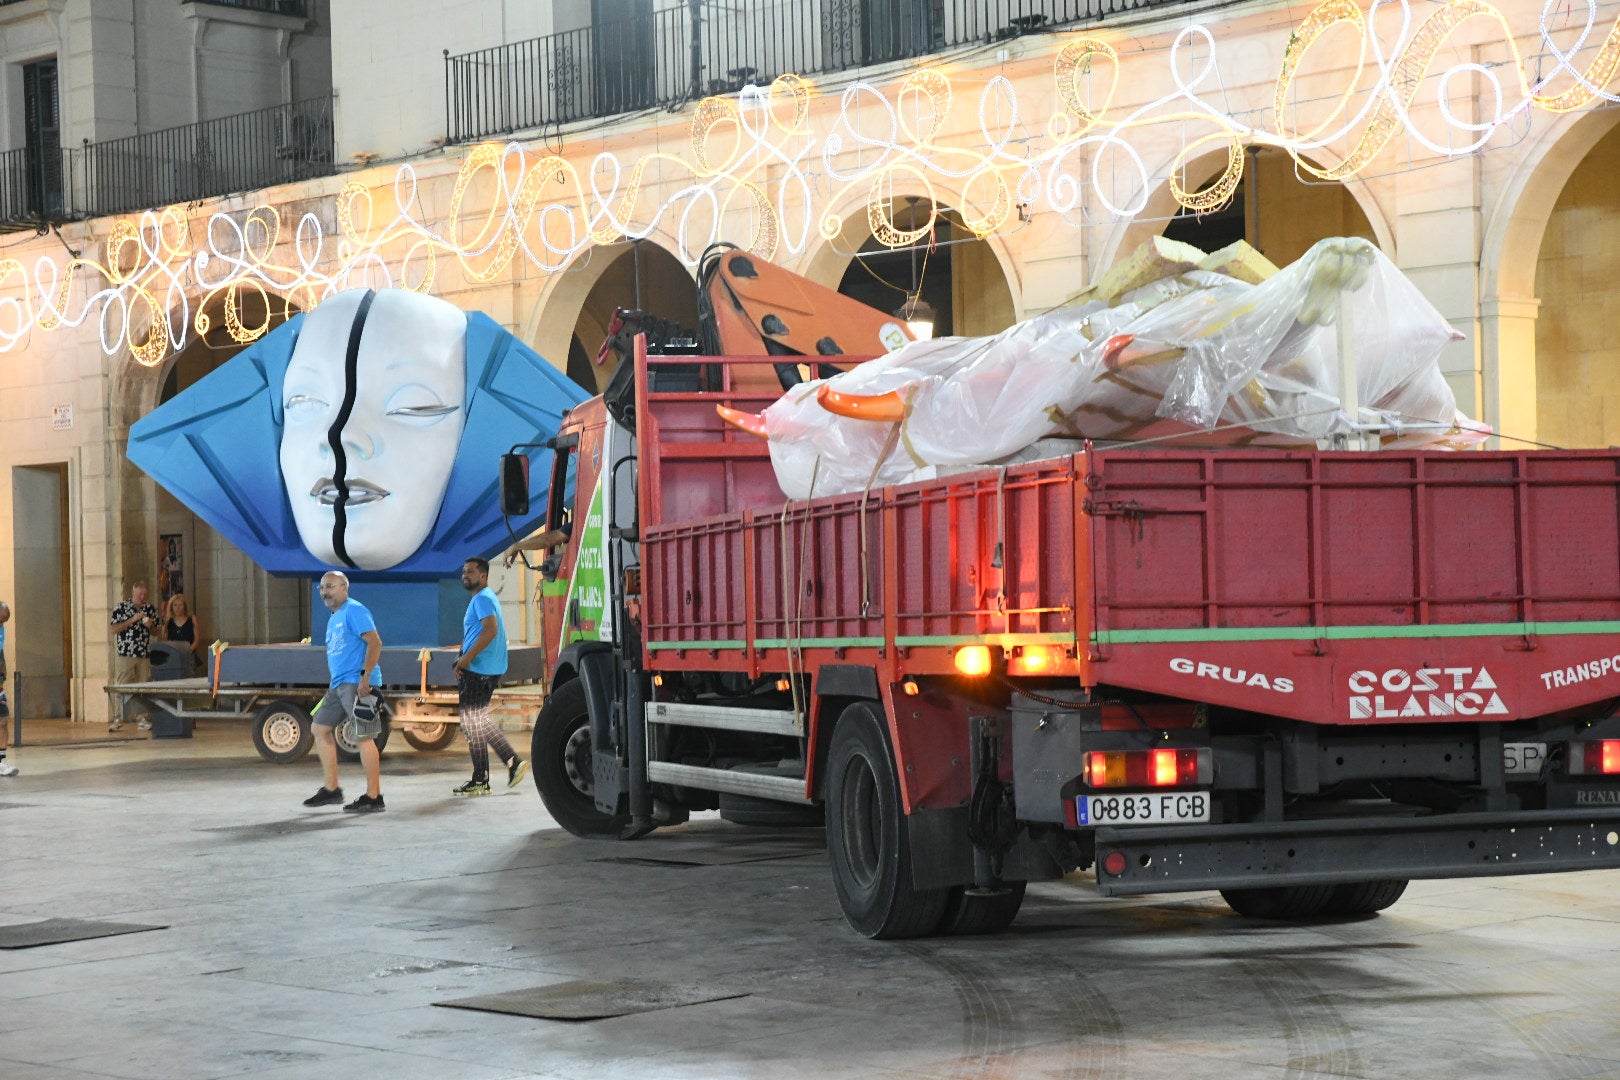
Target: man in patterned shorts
[{"x": 478, "y": 669}]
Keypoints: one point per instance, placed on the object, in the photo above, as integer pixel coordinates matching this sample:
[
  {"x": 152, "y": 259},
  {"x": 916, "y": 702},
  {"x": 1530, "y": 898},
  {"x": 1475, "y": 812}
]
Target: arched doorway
[
  {"x": 951, "y": 273},
  {"x": 639, "y": 275},
  {"x": 1577, "y": 369},
  {"x": 171, "y": 548},
  {"x": 1278, "y": 208}
]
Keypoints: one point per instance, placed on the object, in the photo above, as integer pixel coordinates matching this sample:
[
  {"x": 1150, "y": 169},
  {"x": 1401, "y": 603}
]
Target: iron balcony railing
[
  {"x": 298, "y": 9},
  {"x": 257, "y": 149},
  {"x": 36, "y": 186},
  {"x": 680, "y": 53}
]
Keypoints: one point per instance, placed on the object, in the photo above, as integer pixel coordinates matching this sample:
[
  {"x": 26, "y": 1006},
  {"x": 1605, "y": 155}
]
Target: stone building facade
[{"x": 995, "y": 178}]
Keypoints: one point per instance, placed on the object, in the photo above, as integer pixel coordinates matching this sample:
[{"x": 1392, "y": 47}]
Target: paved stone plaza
[{"x": 313, "y": 943}]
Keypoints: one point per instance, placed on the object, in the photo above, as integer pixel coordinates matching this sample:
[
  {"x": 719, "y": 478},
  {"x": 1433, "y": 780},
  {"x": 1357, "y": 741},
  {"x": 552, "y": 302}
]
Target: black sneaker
[
  {"x": 365, "y": 804},
  {"x": 325, "y": 796},
  {"x": 472, "y": 787},
  {"x": 516, "y": 771}
]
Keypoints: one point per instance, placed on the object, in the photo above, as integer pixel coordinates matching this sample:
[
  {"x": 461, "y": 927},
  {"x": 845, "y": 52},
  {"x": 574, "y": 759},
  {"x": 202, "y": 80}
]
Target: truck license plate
[
  {"x": 1158, "y": 808},
  {"x": 1523, "y": 757}
]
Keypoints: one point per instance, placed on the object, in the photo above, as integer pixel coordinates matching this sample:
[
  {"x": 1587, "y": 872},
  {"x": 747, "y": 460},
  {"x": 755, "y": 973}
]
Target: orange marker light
[
  {"x": 973, "y": 660},
  {"x": 1033, "y": 659},
  {"x": 783, "y": 684},
  {"x": 910, "y": 688}
]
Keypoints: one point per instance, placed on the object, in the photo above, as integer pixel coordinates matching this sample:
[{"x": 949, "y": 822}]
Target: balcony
[
  {"x": 681, "y": 53},
  {"x": 297, "y": 9},
  {"x": 250, "y": 150},
  {"x": 35, "y": 186},
  {"x": 244, "y": 152}
]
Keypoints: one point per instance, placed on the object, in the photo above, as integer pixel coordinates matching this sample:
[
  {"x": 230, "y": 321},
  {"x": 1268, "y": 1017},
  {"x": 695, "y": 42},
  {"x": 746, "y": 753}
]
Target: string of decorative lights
[{"x": 760, "y": 160}]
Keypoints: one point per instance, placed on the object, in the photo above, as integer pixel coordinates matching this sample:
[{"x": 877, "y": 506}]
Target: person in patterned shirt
[{"x": 132, "y": 622}]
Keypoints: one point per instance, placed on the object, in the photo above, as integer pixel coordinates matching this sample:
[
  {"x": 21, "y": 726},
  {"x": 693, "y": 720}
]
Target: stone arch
[
  {"x": 237, "y": 601},
  {"x": 1510, "y": 251},
  {"x": 572, "y": 317},
  {"x": 1202, "y": 170},
  {"x": 989, "y": 258}
]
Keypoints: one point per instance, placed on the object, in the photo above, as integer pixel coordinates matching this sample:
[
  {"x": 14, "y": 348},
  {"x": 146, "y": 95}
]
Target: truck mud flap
[{"x": 1134, "y": 861}]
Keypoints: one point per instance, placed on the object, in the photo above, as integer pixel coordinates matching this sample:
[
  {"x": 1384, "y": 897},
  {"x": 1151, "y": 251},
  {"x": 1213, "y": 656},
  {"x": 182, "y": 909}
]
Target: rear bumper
[{"x": 1185, "y": 858}]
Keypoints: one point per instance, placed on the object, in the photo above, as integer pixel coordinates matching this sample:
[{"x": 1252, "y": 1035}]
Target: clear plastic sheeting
[{"x": 1198, "y": 354}]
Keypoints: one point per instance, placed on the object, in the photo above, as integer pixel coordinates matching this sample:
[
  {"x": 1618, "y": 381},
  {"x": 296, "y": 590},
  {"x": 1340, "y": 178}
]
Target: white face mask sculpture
[{"x": 374, "y": 405}]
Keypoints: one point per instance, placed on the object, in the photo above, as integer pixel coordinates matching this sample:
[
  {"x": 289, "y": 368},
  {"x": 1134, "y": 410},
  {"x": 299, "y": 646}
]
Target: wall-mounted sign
[{"x": 61, "y": 417}]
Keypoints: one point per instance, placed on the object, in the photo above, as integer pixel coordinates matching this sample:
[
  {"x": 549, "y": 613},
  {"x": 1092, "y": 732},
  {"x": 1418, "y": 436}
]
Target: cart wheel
[
  {"x": 348, "y": 747},
  {"x": 430, "y": 736},
  {"x": 282, "y": 732}
]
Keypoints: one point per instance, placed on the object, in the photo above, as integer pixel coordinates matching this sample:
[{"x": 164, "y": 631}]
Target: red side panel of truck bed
[{"x": 1335, "y": 587}]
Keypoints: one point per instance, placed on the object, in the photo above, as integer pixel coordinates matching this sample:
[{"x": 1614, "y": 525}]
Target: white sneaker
[
  {"x": 7, "y": 769},
  {"x": 145, "y": 724},
  {"x": 116, "y": 725}
]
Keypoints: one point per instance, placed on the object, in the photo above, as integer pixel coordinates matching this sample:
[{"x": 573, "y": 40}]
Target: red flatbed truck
[{"x": 1299, "y": 678}]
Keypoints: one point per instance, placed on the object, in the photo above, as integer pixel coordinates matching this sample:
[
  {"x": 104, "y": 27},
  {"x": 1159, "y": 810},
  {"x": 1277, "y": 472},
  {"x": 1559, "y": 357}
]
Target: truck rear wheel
[
  {"x": 560, "y": 754},
  {"x": 868, "y": 836},
  {"x": 1279, "y": 901},
  {"x": 967, "y": 913},
  {"x": 282, "y": 732},
  {"x": 430, "y": 737},
  {"x": 1364, "y": 897}
]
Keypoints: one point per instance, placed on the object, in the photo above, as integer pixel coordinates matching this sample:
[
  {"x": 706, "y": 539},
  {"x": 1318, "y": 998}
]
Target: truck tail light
[
  {"x": 1162, "y": 767},
  {"x": 1596, "y": 758},
  {"x": 973, "y": 660},
  {"x": 1034, "y": 660}
]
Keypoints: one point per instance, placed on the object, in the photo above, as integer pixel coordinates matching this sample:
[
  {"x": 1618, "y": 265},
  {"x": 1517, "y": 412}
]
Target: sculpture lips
[{"x": 360, "y": 492}]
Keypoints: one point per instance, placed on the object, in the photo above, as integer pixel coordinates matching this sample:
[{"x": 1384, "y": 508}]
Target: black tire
[
  {"x": 966, "y": 913},
  {"x": 560, "y": 756},
  {"x": 430, "y": 737},
  {"x": 768, "y": 813},
  {"x": 1292, "y": 902},
  {"x": 1364, "y": 897},
  {"x": 868, "y": 836},
  {"x": 282, "y": 732},
  {"x": 348, "y": 748}
]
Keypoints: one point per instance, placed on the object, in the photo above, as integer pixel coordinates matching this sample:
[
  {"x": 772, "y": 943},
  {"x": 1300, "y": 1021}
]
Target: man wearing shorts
[
  {"x": 478, "y": 669},
  {"x": 353, "y": 649}
]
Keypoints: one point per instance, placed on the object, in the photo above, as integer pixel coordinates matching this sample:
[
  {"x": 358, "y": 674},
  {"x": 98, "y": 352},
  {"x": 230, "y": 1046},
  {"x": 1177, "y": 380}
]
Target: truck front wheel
[
  {"x": 868, "y": 836},
  {"x": 560, "y": 754}
]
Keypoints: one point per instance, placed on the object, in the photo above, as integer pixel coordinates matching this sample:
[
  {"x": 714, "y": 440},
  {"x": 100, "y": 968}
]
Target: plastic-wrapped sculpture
[{"x": 1222, "y": 349}]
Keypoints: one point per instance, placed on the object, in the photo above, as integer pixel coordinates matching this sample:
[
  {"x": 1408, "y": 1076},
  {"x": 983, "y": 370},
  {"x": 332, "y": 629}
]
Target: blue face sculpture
[{"x": 364, "y": 436}]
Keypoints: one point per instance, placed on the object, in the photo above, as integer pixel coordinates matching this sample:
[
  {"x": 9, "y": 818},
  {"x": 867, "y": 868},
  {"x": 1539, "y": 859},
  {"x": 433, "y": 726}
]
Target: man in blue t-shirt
[
  {"x": 353, "y": 648},
  {"x": 478, "y": 669}
]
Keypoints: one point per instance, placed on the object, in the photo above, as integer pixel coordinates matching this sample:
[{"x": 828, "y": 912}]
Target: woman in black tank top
[{"x": 180, "y": 625}]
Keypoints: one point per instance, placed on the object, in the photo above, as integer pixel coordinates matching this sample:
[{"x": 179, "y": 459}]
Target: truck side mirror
[{"x": 514, "y": 484}]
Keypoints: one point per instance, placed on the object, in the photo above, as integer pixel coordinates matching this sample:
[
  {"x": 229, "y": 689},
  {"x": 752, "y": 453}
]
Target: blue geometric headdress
[{"x": 216, "y": 447}]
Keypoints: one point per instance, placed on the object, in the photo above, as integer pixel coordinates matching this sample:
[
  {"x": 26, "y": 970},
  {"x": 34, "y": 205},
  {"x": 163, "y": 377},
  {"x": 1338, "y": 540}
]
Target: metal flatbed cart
[{"x": 277, "y": 687}]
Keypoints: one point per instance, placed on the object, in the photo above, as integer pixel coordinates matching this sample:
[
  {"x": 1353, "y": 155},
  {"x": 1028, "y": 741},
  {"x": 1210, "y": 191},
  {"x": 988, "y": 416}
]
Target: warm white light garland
[{"x": 757, "y": 165}]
